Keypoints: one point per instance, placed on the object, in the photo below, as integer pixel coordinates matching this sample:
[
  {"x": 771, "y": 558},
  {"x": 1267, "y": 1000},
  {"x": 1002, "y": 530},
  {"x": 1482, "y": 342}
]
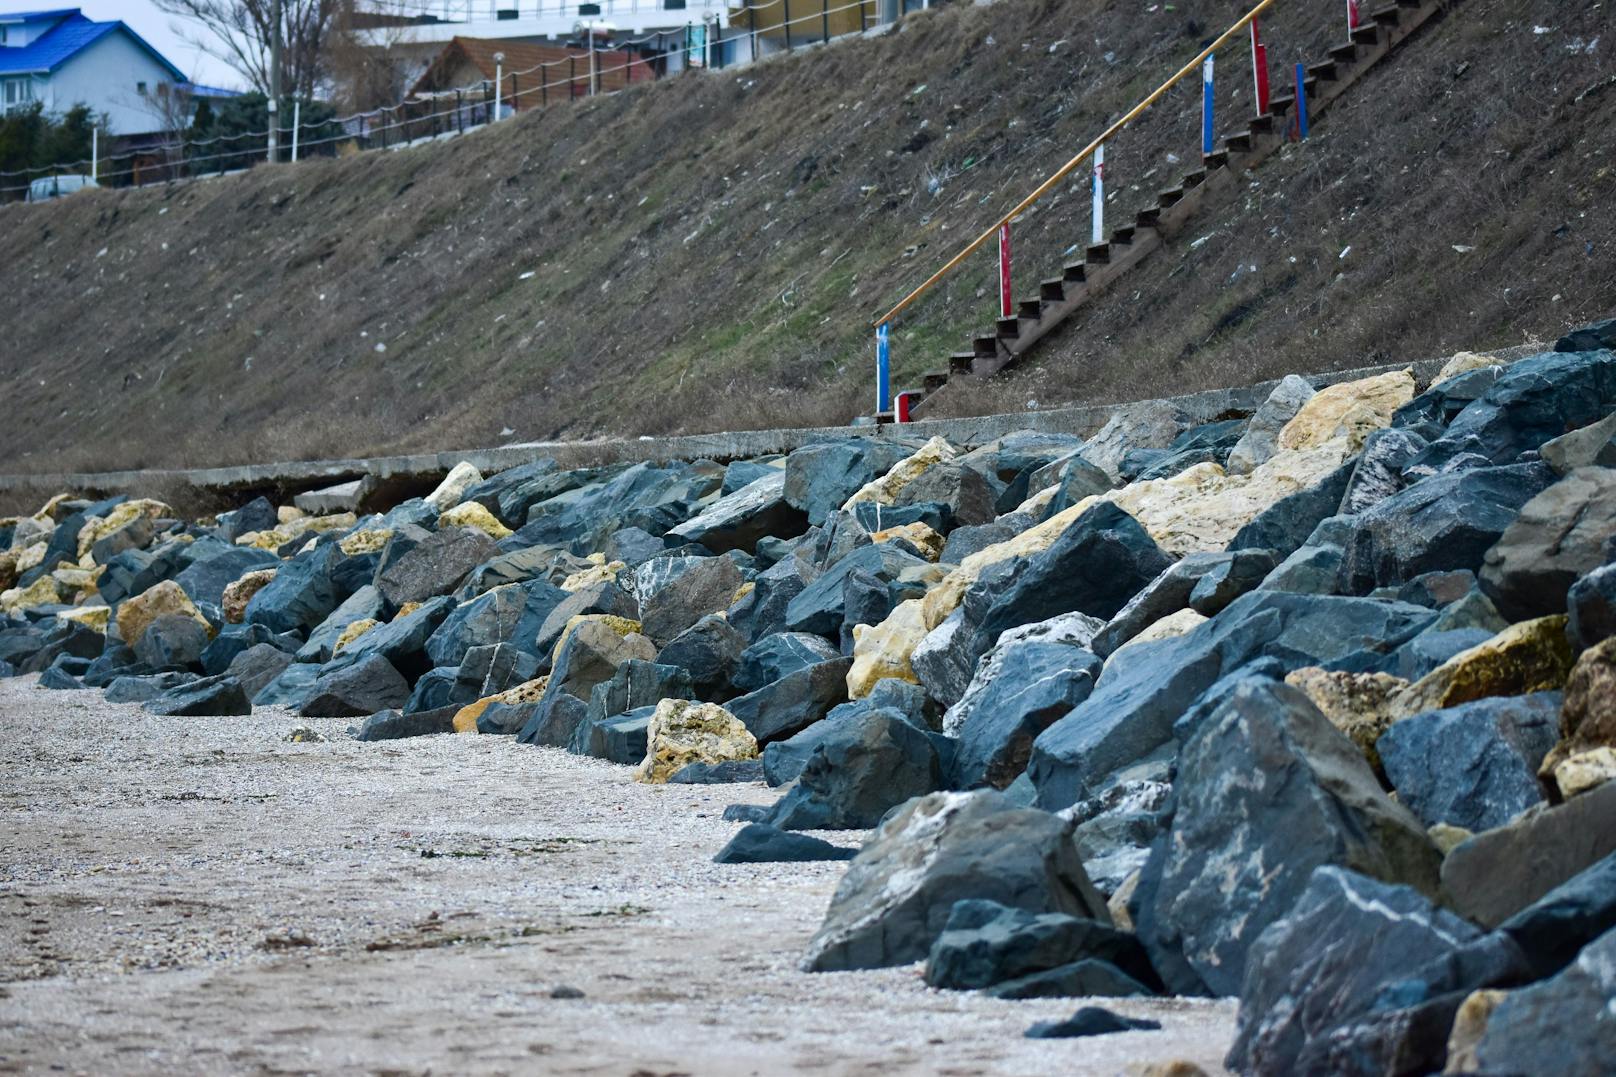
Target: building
[
  {"x": 60, "y": 59},
  {"x": 533, "y": 75}
]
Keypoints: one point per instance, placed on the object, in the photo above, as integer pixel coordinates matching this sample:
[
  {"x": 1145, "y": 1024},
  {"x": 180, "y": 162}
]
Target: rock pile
[{"x": 1316, "y": 708}]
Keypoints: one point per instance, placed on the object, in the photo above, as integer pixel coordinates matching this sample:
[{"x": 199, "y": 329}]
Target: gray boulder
[
  {"x": 1594, "y": 444},
  {"x": 1326, "y": 964},
  {"x": 710, "y": 651},
  {"x": 819, "y": 478},
  {"x": 205, "y": 579},
  {"x": 1592, "y": 601},
  {"x": 210, "y": 697},
  {"x": 794, "y": 702},
  {"x": 780, "y": 655},
  {"x": 1499, "y": 872},
  {"x": 1267, "y": 791},
  {"x": 1473, "y": 765},
  {"x": 301, "y": 595},
  {"x": 1561, "y": 1026},
  {"x": 820, "y": 607},
  {"x": 759, "y": 843},
  {"x": 1261, "y": 440},
  {"x": 392, "y": 725},
  {"x": 433, "y": 566},
  {"x": 738, "y": 520},
  {"x": 364, "y": 604},
  {"x": 511, "y": 615},
  {"x": 172, "y": 640},
  {"x": 1285, "y": 526},
  {"x": 291, "y": 688},
  {"x": 858, "y": 773},
  {"x": 934, "y": 852},
  {"x": 763, "y": 612},
  {"x": 368, "y": 685},
  {"x": 1020, "y": 689},
  {"x": 985, "y": 944},
  {"x": 402, "y": 641},
  {"x": 257, "y": 666},
  {"x": 1378, "y": 473},
  {"x": 1448, "y": 521},
  {"x": 1561, "y": 534},
  {"x": 138, "y": 688},
  {"x": 707, "y": 587}
]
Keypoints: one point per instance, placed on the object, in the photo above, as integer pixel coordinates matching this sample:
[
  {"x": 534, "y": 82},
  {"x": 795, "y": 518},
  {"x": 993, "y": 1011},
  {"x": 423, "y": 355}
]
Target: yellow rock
[
  {"x": 8, "y": 570},
  {"x": 1447, "y": 837},
  {"x": 1588, "y": 712},
  {"x": 461, "y": 478},
  {"x": 369, "y": 540},
  {"x": 1469, "y": 1025},
  {"x": 1169, "y": 627},
  {"x": 621, "y": 625},
  {"x": 1353, "y": 410},
  {"x": 742, "y": 591},
  {"x": 683, "y": 731},
  {"x": 96, "y": 617},
  {"x": 472, "y": 514},
  {"x": 882, "y": 652},
  {"x": 42, "y": 592},
  {"x": 1464, "y": 363},
  {"x": 285, "y": 514},
  {"x": 97, "y": 528},
  {"x": 78, "y": 581},
  {"x": 465, "y": 719},
  {"x": 136, "y": 614},
  {"x": 52, "y": 509},
  {"x": 239, "y": 593},
  {"x": 1585, "y": 771},
  {"x": 918, "y": 534},
  {"x": 1532, "y": 656},
  {"x": 354, "y": 630},
  {"x": 406, "y": 609},
  {"x": 596, "y": 573},
  {"x": 277, "y": 537},
  {"x": 886, "y": 489},
  {"x": 29, "y": 557},
  {"x": 1356, "y": 703}
]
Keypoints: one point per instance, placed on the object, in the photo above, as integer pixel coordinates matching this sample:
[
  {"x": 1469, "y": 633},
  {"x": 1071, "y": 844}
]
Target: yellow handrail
[{"x": 1066, "y": 169}]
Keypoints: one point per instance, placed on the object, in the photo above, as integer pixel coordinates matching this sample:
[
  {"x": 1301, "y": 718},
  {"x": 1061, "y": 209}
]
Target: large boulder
[
  {"x": 707, "y": 587},
  {"x": 402, "y": 641},
  {"x": 1561, "y": 534},
  {"x": 738, "y": 520},
  {"x": 821, "y": 606},
  {"x": 511, "y": 614},
  {"x": 1445, "y": 522},
  {"x": 301, "y": 594},
  {"x": 1496, "y": 874},
  {"x": 1562, "y": 1026},
  {"x": 432, "y": 566},
  {"x": 1146, "y": 688},
  {"x": 1588, "y": 719},
  {"x": 886, "y": 488},
  {"x": 682, "y": 732},
  {"x": 1326, "y": 964},
  {"x": 1151, "y": 424},
  {"x": 1267, "y": 791},
  {"x": 938, "y": 850},
  {"x": 794, "y": 702},
  {"x": 257, "y": 666},
  {"x": 985, "y": 944},
  {"x": 1532, "y": 401},
  {"x": 762, "y": 612},
  {"x": 354, "y": 691},
  {"x": 1286, "y": 525},
  {"x": 1592, "y": 601},
  {"x": 166, "y": 599},
  {"x": 1260, "y": 441},
  {"x": 209, "y": 697},
  {"x": 1351, "y": 410},
  {"x": 172, "y": 640},
  {"x": 780, "y": 655},
  {"x": 1021, "y": 687},
  {"x": 1094, "y": 567},
  {"x": 759, "y": 843},
  {"x": 822, "y": 476},
  {"x": 862, "y": 770},
  {"x": 1532, "y": 656},
  {"x": 710, "y": 650},
  {"x": 364, "y": 604},
  {"x": 207, "y": 578},
  {"x": 1473, "y": 765}
]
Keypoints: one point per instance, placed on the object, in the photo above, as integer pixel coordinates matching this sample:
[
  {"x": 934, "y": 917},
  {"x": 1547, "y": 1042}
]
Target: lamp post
[{"x": 499, "y": 85}]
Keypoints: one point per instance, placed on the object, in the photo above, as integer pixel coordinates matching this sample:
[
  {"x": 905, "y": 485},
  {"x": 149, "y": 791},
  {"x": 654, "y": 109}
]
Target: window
[
  {"x": 16, "y": 92},
  {"x": 140, "y": 88},
  {"x": 2, "y": 35}
]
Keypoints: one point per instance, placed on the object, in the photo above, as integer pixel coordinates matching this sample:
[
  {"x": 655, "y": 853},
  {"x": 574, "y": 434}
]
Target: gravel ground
[{"x": 200, "y": 895}]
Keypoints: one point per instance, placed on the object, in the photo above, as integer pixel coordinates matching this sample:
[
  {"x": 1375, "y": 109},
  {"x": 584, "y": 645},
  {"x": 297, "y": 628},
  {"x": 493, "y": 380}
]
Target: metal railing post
[{"x": 787, "y": 23}]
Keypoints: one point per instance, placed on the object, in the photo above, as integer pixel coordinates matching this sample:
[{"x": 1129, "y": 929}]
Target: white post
[
  {"x": 95, "y": 156},
  {"x": 592, "y": 80},
  {"x": 297, "y": 121},
  {"x": 499, "y": 85},
  {"x": 1099, "y": 194}
]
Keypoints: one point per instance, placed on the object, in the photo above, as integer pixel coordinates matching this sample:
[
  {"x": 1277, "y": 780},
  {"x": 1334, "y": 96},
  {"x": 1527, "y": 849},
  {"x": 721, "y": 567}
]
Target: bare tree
[
  {"x": 367, "y": 62},
  {"x": 239, "y": 32}
]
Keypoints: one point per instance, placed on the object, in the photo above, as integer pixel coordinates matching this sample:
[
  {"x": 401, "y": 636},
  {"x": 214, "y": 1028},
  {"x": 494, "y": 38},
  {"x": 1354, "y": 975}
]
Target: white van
[{"x": 43, "y": 190}]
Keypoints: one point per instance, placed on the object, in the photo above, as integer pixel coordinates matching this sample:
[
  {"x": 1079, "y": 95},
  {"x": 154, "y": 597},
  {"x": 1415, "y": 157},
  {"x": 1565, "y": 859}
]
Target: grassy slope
[{"x": 705, "y": 254}]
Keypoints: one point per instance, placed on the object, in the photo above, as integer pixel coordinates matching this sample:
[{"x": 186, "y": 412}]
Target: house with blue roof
[{"x": 60, "y": 58}]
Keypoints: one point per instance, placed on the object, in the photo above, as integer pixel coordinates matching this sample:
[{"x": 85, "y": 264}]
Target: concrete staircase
[{"x": 1060, "y": 297}]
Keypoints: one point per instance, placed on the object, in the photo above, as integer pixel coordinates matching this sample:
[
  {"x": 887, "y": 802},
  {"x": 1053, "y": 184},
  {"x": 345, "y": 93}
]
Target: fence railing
[{"x": 444, "y": 113}]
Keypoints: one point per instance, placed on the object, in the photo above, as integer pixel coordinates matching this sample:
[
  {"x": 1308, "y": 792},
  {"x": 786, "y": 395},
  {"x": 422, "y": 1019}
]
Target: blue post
[
  {"x": 1301, "y": 101},
  {"x": 1207, "y": 124},
  {"x": 883, "y": 370}
]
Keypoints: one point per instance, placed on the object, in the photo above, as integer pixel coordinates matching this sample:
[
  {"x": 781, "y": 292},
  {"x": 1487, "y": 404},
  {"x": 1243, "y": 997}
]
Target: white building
[{"x": 62, "y": 59}]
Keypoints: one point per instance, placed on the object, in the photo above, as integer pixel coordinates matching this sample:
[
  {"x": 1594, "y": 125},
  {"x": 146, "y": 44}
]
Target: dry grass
[{"x": 706, "y": 254}]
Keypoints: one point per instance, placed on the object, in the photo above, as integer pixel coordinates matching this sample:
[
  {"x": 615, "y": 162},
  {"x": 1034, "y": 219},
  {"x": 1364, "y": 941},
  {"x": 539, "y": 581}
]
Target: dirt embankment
[{"x": 706, "y": 253}]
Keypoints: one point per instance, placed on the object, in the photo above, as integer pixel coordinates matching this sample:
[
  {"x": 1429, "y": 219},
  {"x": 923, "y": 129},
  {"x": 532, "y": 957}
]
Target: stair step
[
  {"x": 1097, "y": 253},
  {"x": 1170, "y": 197},
  {"x": 959, "y": 363},
  {"x": 1264, "y": 123},
  {"x": 1346, "y": 53},
  {"x": 1387, "y": 16},
  {"x": 1216, "y": 159},
  {"x": 1008, "y": 327},
  {"x": 1147, "y": 218},
  {"x": 934, "y": 380},
  {"x": 1411, "y": 3},
  {"x": 1122, "y": 236},
  {"x": 1280, "y": 104},
  {"x": 985, "y": 346},
  {"x": 1052, "y": 290},
  {"x": 1239, "y": 142},
  {"x": 1194, "y": 179},
  {"x": 1075, "y": 273},
  {"x": 1367, "y": 33},
  {"x": 1031, "y": 309},
  {"x": 1323, "y": 70}
]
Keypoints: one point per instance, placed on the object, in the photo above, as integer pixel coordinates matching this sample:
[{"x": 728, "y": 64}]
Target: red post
[
  {"x": 1259, "y": 69},
  {"x": 1352, "y": 16},
  {"x": 901, "y": 405},
  {"x": 1005, "y": 306}
]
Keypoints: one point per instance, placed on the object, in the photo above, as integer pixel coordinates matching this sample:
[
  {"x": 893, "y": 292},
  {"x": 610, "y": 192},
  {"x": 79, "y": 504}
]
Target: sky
[{"x": 162, "y": 32}]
